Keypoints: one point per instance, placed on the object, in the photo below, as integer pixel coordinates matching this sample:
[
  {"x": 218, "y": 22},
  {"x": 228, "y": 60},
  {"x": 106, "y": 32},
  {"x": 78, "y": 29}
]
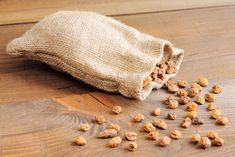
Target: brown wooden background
[{"x": 41, "y": 126}]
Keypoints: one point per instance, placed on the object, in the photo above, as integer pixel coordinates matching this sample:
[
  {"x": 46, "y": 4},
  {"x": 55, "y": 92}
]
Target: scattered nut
[
  {"x": 200, "y": 100},
  {"x": 195, "y": 85},
  {"x": 172, "y": 88},
  {"x": 209, "y": 97},
  {"x": 138, "y": 117},
  {"x": 160, "y": 124},
  {"x": 115, "y": 126},
  {"x": 212, "y": 134},
  {"x": 173, "y": 104},
  {"x": 114, "y": 142},
  {"x": 132, "y": 146},
  {"x": 183, "y": 100},
  {"x": 222, "y": 120},
  {"x": 153, "y": 135},
  {"x": 84, "y": 127},
  {"x": 167, "y": 100},
  {"x": 216, "y": 89},
  {"x": 204, "y": 142},
  {"x": 191, "y": 114},
  {"x": 176, "y": 134},
  {"x": 171, "y": 116},
  {"x": 182, "y": 83},
  {"x": 99, "y": 119},
  {"x": 195, "y": 138},
  {"x": 81, "y": 141},
  {"x": 192, "y": 92},
  {"x": 217, "y": 141},
  {"x": 197, "y": 121},
  {"x": 156, "y": 112},
  {"x": 192, "y": 106},
  {"x": 164, "y": 141},
  {"x": 182, "y": 92},
  {"x": 148, "y": 127},
  {"x": 211, "y": 106},
  {"x": 131, "y": 136},
  {"x": 186, "y": 122},
  {"x": 216, "y": 114},
  {"x": 107, "y": 133},
  {"x": 117, "y": 109},
  {"x": 203, "y": 82}
]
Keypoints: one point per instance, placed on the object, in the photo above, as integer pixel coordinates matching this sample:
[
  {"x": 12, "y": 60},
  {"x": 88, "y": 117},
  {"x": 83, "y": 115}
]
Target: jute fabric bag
[{"x": 98, "y": 50}]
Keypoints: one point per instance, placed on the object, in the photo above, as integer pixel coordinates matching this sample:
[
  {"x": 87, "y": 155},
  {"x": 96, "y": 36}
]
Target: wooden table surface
[{"x": 41, "y": 109}]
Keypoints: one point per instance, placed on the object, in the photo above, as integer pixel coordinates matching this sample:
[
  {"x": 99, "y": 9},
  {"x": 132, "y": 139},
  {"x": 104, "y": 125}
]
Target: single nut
[
  {"x": 212, "y": 134},
  {"x": 148, "y": 127},
  {"x": 107, "y": 133},
  {"x": 209, "y": 97},
  {"x": 160, "y": 124},
  {"x": 182, "y": 92},
  {"x": 197, "y": 121},
  {"x": 81, "y": 141},
  {"x": 175, "y": 134},
  {"x": 195, "y": 138},
  {"x": 172, "y": 88},
  {"x": 166, "y": 84},
  {"x": 217, "y": 141},
  {"x": 182, "y": 83},
  {"x": 99, "y": 119},
  {"x": 170, "y": 70},
  {"x": 153, "y": 135},
  {"x": 222, "y": 120},
  {"x": 195, "y": 85},
  {"x": 131, "y": 136},
  {"x": 191, "y": 114},
  {"x": 138, "y": 117},
  {"x": 186, "y": 122},
  {"x": 216, "y": 89},
  {"x": 117, "y": 109},
  {"x": 204, "y": 142},
  {"x": 192, "y": 92},
  {"x": 173, "y": 104},
  {"x": 164, "y": 141},
  {"x": 84, "y": 127},
  {"x": 163, "y": 66},
  {"x": 171, "y": 116},
  {"x": 115, "y": 126},
  {"x": 216, "y": 114},
  {"x": 203, "y": 81},
  {"x": 156, "y": 112},
  {"x": 211, "y": 106},
  {"x": 200, "y": 100},
  {"x": 183, "y": 100},
  {"x": 132, "y": 146},
  {"x": 114, "y": 142},
  {"x": 192, "y": 106},
  {"x": 167, "y": 100}
]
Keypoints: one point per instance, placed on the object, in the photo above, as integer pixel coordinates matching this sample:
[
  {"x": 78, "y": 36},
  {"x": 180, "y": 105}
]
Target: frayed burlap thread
[{"x": 98, "y": 50}]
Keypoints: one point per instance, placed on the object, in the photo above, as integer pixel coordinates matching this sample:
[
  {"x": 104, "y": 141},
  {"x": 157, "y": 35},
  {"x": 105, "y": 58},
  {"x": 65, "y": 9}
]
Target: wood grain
[
  {"x": 208, "y": 45},
  {"x": 48, "y": 128},
  {"x": 15, "y": 11}
]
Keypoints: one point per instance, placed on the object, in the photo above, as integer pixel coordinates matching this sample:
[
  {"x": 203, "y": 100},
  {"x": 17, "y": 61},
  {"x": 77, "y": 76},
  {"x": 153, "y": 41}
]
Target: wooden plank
[
  {"x": 47, "y": 128},
  {"x": 208, "y": 45},
  {"x": 14, "y": 11}
]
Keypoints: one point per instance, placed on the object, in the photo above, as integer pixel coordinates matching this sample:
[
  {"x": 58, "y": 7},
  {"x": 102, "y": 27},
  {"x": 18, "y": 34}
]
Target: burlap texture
[{"x": 98, "y": 50}]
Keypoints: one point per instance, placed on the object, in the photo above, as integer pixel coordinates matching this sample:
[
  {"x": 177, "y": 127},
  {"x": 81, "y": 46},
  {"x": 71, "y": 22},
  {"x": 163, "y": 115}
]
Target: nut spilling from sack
[{"x": 100, "y": 51}]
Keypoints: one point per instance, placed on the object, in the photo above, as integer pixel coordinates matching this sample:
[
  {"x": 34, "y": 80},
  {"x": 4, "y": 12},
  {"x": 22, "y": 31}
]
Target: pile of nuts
[
  {"x": 188, "y": 95},
  {"x": 159, "y": 73}
]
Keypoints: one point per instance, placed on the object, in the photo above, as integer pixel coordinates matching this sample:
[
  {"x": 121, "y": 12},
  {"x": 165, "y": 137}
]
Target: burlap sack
[{"x": 98, "y": 50}]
